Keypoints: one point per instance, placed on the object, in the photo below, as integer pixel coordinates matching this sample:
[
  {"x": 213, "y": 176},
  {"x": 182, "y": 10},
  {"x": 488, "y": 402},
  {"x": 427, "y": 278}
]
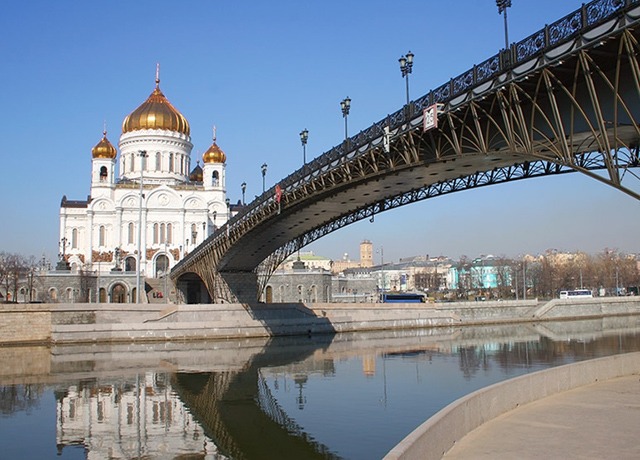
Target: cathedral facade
[{"x": 147, "y": 206}]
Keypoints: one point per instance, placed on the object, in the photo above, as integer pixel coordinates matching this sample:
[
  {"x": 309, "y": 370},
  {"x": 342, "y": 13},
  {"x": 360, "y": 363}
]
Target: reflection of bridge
[{"x": 565, "y": 99}]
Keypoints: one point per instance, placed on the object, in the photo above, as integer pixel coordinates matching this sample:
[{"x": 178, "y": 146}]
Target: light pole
[
  {"x": 142, "y": 154},
  {"x": 502, "y": 8},
  {"x": 263, "y": 168},
  {"x": 345, "y": 105},
  {"x": 228, "y": 202},
  {"x": 406, "y": 64},
  {"x": 381, "y": 251},
  {"x": 304, "y": 136},
  {"x": 243, "y": 186}
]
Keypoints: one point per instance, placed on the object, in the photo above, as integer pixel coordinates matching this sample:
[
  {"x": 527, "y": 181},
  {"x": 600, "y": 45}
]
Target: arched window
[
  {"x": 163, "y": 233},
  {"x": 281, "y": 293},
  {"x": 132, "y": 163},
  {"x": 74, "y": 238},
  {"x": 130, "y": 264},
  {"x": 130, "y": 233},
  {"x": 300, "y": 296},
  {"x": 171, "y": 162},
  {"x": 124, "y": 164},
  {"x": 102, "y": 236},
  {"x": 53, "y": 294},
  {"x": 169, "y": 233},
  {"x": 269, "y": 295},
  {"x": 158, "y": 161},
  {"x": 155, "y": 234},
  {"x": 215, "y": 178},
  {"x": 194, "y": 234},
  {"x": 314, "y": 293},
  {"x": 103, "y": 174}
]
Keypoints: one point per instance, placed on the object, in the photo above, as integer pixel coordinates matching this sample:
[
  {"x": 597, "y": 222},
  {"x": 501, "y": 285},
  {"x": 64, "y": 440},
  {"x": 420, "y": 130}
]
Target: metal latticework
[{"x": 565, "y": 99}]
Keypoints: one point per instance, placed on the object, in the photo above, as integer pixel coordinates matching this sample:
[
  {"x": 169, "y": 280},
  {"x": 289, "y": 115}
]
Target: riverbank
[
  {"x": 581, "y": 409},
  {"x": 91, "y": 323}
]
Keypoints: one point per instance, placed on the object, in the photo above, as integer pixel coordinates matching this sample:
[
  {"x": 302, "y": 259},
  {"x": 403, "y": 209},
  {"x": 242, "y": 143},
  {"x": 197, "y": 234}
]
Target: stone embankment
[
  {"x": 447, "y": 429},
  {"x": 85, "y": 323}
]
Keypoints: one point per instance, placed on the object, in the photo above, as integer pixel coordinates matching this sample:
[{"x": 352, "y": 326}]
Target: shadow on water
[{"x": 238, "y": 412}]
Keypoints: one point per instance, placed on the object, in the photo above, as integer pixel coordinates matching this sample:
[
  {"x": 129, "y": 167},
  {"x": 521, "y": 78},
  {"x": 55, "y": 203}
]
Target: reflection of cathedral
[
  {"x": 144, "y": 419},
  {"x": 155, "y": 204}
]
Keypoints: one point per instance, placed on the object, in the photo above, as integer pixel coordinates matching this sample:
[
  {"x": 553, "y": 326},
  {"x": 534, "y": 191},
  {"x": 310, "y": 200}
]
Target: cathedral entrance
[
  {"x": 130, "y": 264},
  {"x": 118, "y": 294},
  {"x": 162, "y": 265}
]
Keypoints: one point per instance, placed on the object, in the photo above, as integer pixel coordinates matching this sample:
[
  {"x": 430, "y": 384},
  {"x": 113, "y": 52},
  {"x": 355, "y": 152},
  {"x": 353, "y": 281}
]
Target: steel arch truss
[{"x": 565, "y": 109}]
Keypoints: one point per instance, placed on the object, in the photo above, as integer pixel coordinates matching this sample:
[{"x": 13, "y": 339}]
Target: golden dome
[
  {"x": 156, "y": 113},
  {"x": 196, "y": 174},
  {"x": 215, "y": 153},
  {"x": 104, "y": 149}
]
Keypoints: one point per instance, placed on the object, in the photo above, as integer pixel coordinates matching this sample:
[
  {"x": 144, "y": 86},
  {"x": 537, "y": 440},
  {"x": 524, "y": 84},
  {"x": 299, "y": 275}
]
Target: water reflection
[
  {"x": 139, "y": 418},
  {"x": 350, "y": 396}
]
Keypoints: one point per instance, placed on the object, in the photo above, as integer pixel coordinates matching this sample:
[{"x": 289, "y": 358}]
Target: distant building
[{"x": 366, "y": 259}]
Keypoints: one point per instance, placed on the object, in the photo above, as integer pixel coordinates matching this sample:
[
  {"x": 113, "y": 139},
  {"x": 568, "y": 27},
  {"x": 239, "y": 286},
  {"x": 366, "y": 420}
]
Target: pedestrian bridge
[{"x": 565, "y": 99}]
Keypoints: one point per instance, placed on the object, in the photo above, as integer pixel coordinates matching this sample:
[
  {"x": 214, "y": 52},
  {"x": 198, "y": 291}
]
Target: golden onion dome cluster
[{"x": 104, "y": 148}]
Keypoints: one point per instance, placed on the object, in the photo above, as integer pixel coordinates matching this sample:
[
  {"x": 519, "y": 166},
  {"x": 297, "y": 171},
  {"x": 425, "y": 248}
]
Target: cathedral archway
[
  {"x": 269, "y": 294},
  {"x": 118, "y": 293},
  {"x": 161, "y": 265},
  {"x": 102, "y": 296},
  {"x": 130, "y": 264}
]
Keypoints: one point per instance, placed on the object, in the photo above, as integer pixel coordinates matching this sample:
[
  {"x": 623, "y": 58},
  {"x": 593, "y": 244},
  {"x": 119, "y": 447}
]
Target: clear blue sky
[{"x": 263, "y": 71}]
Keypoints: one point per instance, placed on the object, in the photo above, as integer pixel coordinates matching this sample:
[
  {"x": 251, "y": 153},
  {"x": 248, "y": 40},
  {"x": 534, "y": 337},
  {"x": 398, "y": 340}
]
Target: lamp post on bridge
[
  {"x": 263, "y": 168},
  {"x": 406, "y": 64},
  {"x": 345, "y": 105},
  {"x": 243, "y": 186},
  {"x": 502, "y": 8},
  {"x": 304, "y": 137}
]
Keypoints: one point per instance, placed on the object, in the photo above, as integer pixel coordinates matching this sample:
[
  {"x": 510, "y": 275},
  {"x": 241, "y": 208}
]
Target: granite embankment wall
[
  {"x": 71, "y": 323},
  {"x": 437, "y": 435}
]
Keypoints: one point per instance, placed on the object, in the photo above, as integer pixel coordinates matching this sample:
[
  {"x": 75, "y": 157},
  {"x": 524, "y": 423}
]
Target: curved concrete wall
[{"x": 436, "y": 436}]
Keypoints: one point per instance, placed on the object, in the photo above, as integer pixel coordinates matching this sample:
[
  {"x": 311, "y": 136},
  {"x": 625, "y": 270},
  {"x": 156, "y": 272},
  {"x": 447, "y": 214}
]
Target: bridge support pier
[{"x": 244, "y": 285}]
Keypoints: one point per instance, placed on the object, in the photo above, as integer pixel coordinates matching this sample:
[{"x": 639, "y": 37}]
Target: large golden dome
[
  {"x": 104, "y": 148},
  {"x": 156, "y": 113},
  {"x": 214, "y": 154}
]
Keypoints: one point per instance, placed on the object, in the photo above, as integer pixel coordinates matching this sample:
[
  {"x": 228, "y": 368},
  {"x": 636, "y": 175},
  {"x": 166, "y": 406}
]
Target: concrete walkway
[{"x": 596, "y": 421}]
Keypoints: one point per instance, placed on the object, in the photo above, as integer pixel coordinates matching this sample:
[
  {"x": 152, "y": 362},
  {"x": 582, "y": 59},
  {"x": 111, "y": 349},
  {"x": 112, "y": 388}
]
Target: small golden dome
[
  {"x": 215, "y": 153},
  {"x": 196, "y": 174},
  {"x": 156, "y": 113},
  {"x": 104, "y": 149}
]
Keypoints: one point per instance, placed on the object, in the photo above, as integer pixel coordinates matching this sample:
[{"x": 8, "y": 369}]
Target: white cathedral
[{"x": 152, "y": 204}]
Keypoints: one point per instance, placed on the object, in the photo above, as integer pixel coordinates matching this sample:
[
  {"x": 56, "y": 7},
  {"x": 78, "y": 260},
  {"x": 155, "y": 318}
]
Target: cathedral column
[
  {"x": 118, "y": 241},
  {"x": 182, "y": 233}
]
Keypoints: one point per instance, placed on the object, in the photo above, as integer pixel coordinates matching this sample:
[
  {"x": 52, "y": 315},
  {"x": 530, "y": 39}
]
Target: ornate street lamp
[
  {"x": 304, "y": 136},
  {"x": 345, "y": 105},
  {"x": 263, "y": 168},
  {"x": 243, "y": 186},
  {"x": 502, "y": 8},
  {"x": 406, "y": 64},
  {"x": 142, "y": 154}
]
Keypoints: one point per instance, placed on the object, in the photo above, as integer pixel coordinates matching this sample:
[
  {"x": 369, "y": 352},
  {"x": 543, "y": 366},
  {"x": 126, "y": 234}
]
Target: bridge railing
[{"x": 589, "y": 16}]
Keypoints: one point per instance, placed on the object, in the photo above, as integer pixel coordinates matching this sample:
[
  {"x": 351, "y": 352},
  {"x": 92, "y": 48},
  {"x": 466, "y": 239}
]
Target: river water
[{"x": 349, "y": 396}]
